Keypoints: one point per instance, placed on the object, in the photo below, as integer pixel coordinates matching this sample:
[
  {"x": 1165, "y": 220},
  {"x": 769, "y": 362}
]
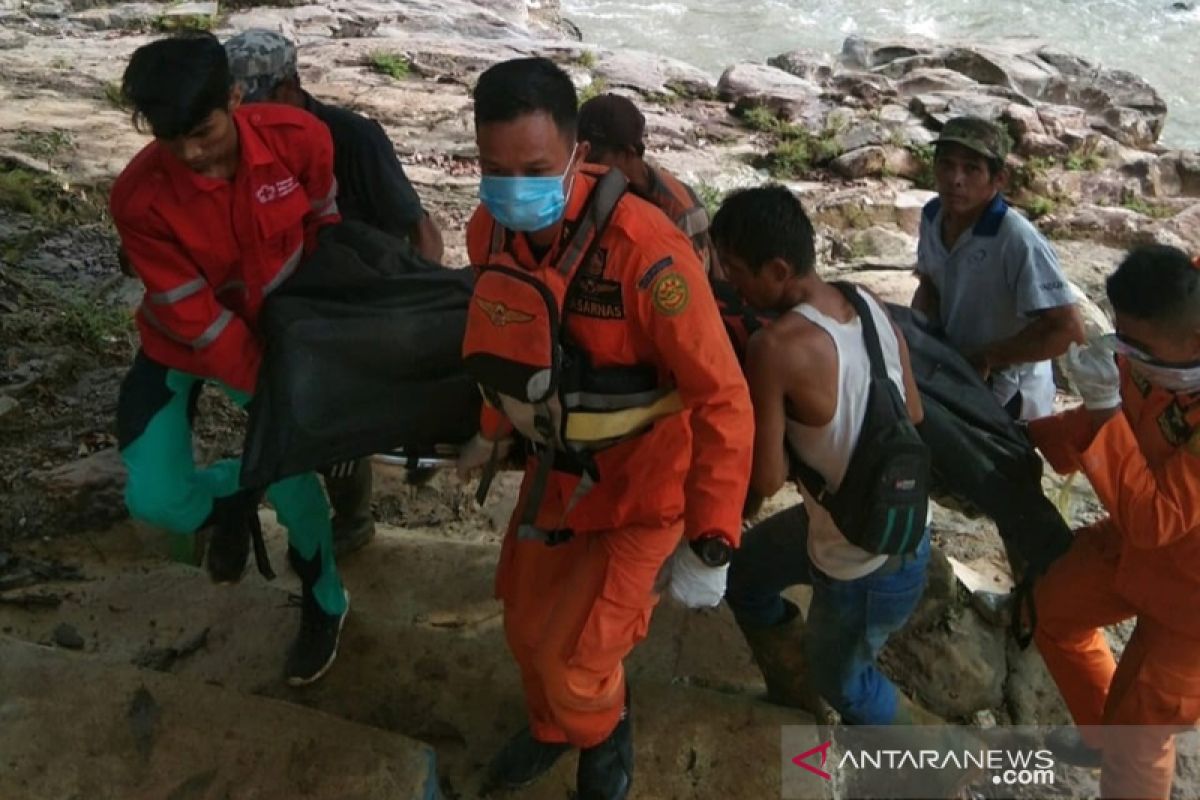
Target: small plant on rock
[
  {"x": 1084, "y": 162},
  {"x": 394, "y": 65},
  {"x": 114, "y": 95},
  {"x": 46, "y": 145},
  {"x": 586, "y": 59},
  {"x": 924, "y": 155},
  {"x": 1039, "y": 206},
  {"x": 175, "y": 23},
  {"x": 762, "y": 119},
  {"x": 710, "y": 196},
  {"x": 597, "y": 87},
  {"x": 1138, "y": 205}
]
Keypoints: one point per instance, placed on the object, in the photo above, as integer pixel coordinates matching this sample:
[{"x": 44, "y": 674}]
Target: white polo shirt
[{"x": 991, "y": 284}]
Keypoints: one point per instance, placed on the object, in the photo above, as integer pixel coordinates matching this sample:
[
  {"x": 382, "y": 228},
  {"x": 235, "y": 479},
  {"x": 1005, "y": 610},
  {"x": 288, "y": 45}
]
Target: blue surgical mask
[{"x": 526, "y": 203}]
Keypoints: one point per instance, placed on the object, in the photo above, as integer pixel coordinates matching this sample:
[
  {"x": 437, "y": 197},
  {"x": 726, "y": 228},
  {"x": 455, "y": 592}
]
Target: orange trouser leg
[
  {"x": 572, "y": 613},
  {"x": 1155, "y": 693},
  {"x": 1074, "y": 599}
]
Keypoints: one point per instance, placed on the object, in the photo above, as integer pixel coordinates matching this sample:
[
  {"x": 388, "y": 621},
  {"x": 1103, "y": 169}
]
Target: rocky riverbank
[{"x": 850, "y": 132}]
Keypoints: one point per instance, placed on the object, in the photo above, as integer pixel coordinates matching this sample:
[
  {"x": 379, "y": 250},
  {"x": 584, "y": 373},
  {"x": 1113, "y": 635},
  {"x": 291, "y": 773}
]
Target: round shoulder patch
[{"x": 670, "y": 293}]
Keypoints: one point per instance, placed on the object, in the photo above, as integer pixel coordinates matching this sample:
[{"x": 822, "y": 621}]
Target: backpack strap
[
  {"x": 594, "y": 220},
  {"x": 870, "y": 332},
  {"x": 812, "y": 480},
  {"x": 589, "y": 230},
  {"x": 499, "y": 240}
]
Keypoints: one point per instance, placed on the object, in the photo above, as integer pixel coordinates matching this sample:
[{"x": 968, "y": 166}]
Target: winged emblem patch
[{"x": 500, "y": 315}]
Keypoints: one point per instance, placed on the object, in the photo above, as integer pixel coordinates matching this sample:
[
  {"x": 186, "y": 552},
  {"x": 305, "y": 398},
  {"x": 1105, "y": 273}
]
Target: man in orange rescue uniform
[
  {"x": 577, "y": 603},
  {"x": 1137, "y": 439}
]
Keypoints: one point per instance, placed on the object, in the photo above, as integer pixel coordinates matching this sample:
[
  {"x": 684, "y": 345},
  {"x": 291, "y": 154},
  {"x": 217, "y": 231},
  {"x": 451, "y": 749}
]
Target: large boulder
[
  {"x": 759, "y": 85},
  {"x": 1112, "y": 226},
  {"x": 652, "y": 74},
  {"x": 1116, "y": 102},
  {"x": 80, "y": 728},
  {"x": 807, "y": 64}
]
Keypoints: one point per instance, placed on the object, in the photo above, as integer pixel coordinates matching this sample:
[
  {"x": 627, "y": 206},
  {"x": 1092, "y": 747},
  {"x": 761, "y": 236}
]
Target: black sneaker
[
  {"x": 315, "y": 648},
  {"x": 522, "y": 761},
  {"x": 605, "y": 771}
]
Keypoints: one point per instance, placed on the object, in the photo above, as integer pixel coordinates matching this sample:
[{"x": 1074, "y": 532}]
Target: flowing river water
[{"x": 1157, "y": 39}]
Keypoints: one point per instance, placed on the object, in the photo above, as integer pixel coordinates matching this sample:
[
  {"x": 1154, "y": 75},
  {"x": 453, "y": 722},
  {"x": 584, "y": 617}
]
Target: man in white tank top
[{"x": 809, "y": 378}]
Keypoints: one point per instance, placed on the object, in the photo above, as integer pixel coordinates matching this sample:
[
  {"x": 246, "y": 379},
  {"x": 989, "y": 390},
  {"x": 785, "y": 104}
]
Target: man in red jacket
[{"x": 213, "y": 215}]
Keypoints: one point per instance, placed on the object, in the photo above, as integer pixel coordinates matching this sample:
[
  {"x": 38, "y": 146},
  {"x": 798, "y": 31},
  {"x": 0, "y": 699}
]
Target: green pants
[{"x": 164, "y": 487}]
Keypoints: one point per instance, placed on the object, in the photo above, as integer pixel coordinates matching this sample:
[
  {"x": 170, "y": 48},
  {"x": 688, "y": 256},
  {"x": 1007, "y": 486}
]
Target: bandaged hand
[
  {"x": 1093, "y": 372},
  {"x": 478, "y": 453},
  {"x": 690, "y": 581}
]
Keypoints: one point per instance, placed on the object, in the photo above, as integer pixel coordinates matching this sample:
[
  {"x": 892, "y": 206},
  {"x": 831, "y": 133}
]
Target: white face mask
[{"x": 1181, "y": 379}]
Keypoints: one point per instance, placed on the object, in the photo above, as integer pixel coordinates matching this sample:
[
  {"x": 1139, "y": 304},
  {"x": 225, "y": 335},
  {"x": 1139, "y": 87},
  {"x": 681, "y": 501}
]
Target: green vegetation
[
  {"x": 794, "y": 149},
  {"x": 49, "y": 314},
  {"x": 114, "y": 95},
  {"x": 763, "y": 120},
  {"x": 174, "y": 23},
  {"x": 692, "y": 91},
  {"x": 1026, "y": 176},
  {"x": 46, "y": 145},
  {"x": 394, "y": 65},
  {"x": 1140, "y": 206},
  {"x": 1039, "y": 206},
  {"x": 1081, "y": 161},
  {"x": 924, "y": 155},
  {"x": 710, "y": 196},
  {"x": 52, "y": 203},
  {"x": 586, "y": 59},
  {"x": 597, "y": 87}
]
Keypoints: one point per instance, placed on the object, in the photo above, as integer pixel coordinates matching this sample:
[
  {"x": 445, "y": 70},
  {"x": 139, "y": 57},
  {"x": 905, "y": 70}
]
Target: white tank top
[{"x": 828, "y": 448}]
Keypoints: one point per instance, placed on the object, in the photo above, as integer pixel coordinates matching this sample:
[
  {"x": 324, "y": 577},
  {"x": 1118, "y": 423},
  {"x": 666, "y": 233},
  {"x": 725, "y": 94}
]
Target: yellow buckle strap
[{"x": 586, "y": 427}]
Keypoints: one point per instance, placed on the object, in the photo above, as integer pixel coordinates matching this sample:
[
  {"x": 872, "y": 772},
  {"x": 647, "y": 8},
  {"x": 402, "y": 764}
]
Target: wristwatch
[{"x": 712, "y": 549}]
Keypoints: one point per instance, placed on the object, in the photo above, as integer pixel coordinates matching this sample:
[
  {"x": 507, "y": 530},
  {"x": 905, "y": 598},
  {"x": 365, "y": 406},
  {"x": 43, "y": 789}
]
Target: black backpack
[{"x": 882, "y": 501}]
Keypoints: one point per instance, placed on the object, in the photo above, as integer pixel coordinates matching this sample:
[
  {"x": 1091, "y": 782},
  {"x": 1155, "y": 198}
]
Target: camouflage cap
[
  {"x": 259, "y": 60},
  {"x": 978, "y": 134}
]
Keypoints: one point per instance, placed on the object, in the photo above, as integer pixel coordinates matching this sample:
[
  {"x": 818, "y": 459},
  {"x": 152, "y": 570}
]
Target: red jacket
[
  {"x": 646, "y": 300},
  {"x": 208, "y": 251}
]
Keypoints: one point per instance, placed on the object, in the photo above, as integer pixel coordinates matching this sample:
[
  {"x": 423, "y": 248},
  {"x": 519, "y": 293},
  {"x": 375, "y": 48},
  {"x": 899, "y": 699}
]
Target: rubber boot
[
  {"x": 350, "y": 498},
  {"x": 779, "y": 652},
  {"x": 522, "y": 761},
  {"x": 1069, "y": 747},
  {"x": 909, "y": 712},
  {"x": 605, "y": 771}
]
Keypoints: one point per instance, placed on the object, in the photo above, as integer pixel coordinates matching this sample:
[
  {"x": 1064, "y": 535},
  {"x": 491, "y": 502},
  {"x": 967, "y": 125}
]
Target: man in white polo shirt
[{"x": 988, "y": 276}]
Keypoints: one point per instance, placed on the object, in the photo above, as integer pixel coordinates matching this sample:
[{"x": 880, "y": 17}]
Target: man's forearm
[
  {"x": 925, "y": 300},
  {"x": 1045, "y": 338},
  {"x": 428, "y": 239}
]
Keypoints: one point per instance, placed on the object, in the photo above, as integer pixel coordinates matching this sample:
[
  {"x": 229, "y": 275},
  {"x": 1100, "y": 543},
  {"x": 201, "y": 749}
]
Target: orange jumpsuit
[
  {"x": 680, "y": 203},
  {"x": 573, "y": 611},
  {"x": 1143, "y": 561}
]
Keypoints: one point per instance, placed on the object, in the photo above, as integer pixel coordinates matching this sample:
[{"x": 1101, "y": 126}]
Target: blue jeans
[{"x": 848, "y": 622}]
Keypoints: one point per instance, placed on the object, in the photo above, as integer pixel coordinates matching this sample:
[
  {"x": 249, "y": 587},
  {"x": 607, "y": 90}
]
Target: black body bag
[{"x": 363, "y": 355}]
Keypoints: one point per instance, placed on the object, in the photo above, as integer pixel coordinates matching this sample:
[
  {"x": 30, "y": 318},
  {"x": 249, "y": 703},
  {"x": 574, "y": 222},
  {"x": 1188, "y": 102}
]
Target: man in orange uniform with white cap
[
  {"x": 1137, "y": 439},
  {"x": 578, "y": 592}
]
